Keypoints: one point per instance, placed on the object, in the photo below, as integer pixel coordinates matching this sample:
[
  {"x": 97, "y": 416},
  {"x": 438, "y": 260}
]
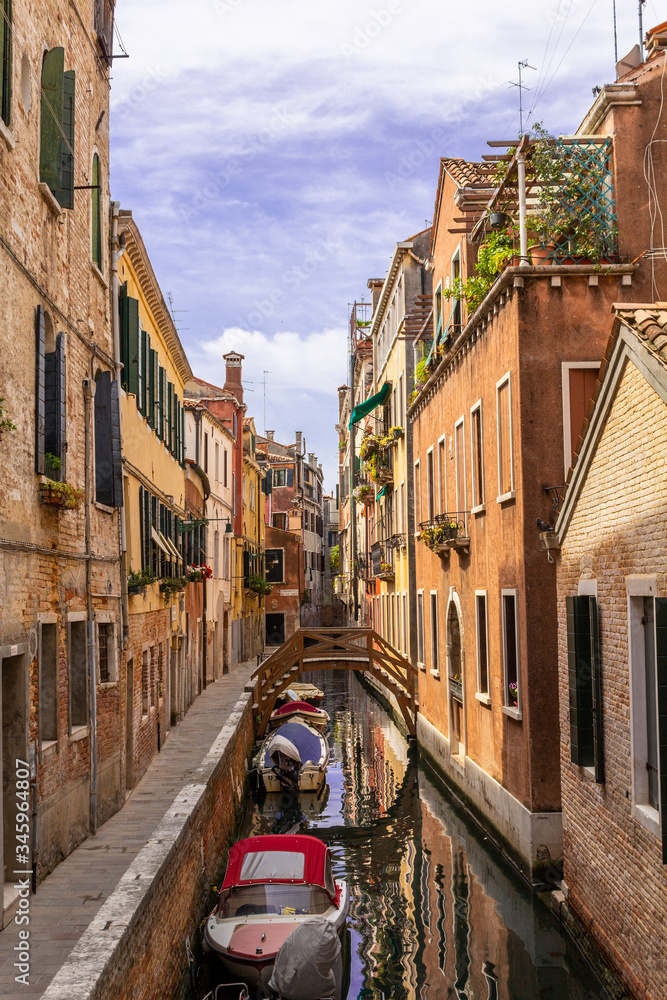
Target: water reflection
[{"x": 434, "y": 915}]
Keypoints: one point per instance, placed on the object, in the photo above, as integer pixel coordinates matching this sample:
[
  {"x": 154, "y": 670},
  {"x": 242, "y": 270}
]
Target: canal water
[{"x": 434, "y": 913}]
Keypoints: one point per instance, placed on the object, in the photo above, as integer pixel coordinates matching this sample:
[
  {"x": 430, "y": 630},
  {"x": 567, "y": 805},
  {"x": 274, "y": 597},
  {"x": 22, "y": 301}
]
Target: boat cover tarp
[
  {"x": 286, "y": 747},
  {"x": 304, "y": 965},
  {"x": 307, "y": 741},
  {"x": 298, "y": 706},
  {"x": 273, "y": 864},
  {"x": 314, "y": 852}
]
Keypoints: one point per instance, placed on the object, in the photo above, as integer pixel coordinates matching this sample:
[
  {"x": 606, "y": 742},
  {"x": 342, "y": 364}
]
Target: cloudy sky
[{"x": 274, "y": 151}]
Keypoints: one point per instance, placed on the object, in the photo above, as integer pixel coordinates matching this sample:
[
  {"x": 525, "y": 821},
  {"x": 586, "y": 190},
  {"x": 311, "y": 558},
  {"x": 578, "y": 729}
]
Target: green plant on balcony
[
  {"x": 258, "y": 585},
  {"x": 392, "y": 435},
  {"x": 386, "y": 567},
  {"x": 52, "y": 466},
  {"x": 61, "y": 495},
  {"x": 5, "y": 423},
  {"x": 171, "y": 585},
  {"x": 493, "y": 256},
  {"x": 334, "y": 558},
  {"x": 370, "y": 446},
  {"x": 363, "y": 492},
  {"x": 138, "y": 580}
]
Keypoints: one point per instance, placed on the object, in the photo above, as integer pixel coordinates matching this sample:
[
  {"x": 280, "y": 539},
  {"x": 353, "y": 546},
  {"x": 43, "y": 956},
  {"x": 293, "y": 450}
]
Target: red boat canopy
[
  {"x": 297, "y": 706},
  {"x": 280, "y": 858}
]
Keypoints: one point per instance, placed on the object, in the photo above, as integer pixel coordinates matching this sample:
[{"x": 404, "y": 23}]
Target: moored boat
[
  {"x": 294, "y": 756},
  {"x": 271, "y": 886},
  {"x": 302, "y": 710}
]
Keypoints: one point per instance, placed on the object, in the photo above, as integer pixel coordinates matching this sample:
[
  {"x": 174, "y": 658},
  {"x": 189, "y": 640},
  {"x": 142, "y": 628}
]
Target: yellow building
[{"x": 155, "y": 370}]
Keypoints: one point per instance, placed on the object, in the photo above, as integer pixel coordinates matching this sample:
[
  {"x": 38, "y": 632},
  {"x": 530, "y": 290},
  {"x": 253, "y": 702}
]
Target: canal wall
[{"x": 135, "y": 945}]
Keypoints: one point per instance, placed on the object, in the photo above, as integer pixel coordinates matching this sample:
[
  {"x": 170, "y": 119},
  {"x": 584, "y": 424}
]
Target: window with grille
[
  {"x": 420, "y": 627},
  {"x": 105, "y": 651},
  {"x": 6, "y": 61},
  {"x": 434, "y": 632},
  {"x": 482, "y": 642},
  {"x": 145, "y": 682},
  {"x": 511, "y": 650}
]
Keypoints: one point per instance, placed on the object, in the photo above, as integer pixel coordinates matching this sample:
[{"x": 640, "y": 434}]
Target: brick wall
[{"x": 613, "y": 866}]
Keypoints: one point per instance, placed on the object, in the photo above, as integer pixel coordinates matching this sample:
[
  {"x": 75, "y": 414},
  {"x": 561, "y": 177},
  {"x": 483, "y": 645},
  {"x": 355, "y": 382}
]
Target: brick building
[
  {"x": 60, "y": 615},
  {"x": 284, "y": 571},
  {"x": 612, "y": 638},
  {"x": 503, "y": 386}
]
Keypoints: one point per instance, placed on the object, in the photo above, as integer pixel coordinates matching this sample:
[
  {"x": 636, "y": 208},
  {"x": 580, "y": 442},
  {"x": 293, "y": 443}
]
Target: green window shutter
[
  {"x": 143, "y": 394},
  {"x": 96, "y": 214},
  {"x": 6, "y": 62},
  {"x": 152, "y": 374},
  {"x": 116, "y": 450},
  {"x": 54, "y": 408},
  {"x": 132, "y": 345},
  {"x": 182, "y": 458},
  {"x": 158, "y": 397},
  {"x": 65, "y": 192},
  {"x": 170, "y": 416},
  {"x": 661, "y": 666},
  {"x": 163, "y": 405},
  {"x": 596, "y": 680},
  {"x": 174, "y": 426},
  {"x": 53, "y": 87},
  {"x": 123, "y": 325},
  {"x": 582, "y": 750},
  {"x": 108, "y": 465},
  {"x": 39, "y": 390}
]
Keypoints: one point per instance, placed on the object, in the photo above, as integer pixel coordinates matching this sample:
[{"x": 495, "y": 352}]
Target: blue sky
[{"x": 273, "y": 153}]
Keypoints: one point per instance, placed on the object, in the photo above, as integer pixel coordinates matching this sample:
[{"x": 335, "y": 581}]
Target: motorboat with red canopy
[
  {"x": 272, "y": 884},
  {"x": 314, "y": 716}
]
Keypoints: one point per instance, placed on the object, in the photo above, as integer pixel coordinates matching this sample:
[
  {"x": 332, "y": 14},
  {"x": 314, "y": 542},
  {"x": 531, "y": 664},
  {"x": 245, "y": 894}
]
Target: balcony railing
[
  {"x": 445, "y": 531},
  {"x": 365, "y": 566}
]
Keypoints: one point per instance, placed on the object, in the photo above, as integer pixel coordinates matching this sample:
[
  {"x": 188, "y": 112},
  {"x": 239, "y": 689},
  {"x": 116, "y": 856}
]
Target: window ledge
[
  {"x": 647, "y": 816},
  {"x": 7, "y": 135},
  {"x": 484, "y": 698},
  {"x": 78, "y": 733},
  {"x": 49, "y": 747},
  {"x": 49, "y": 198},
  {"x": 105, "y": 508},
  {"x": 435, "y": 673},
  {"x": 422, "y": 666},
  {"x": 513, "y": 713},
  {"x": 506, "y": 497},
  {"x": 98, "y": 274},
  {"x": 105, "y": 685},
  {"x": 479, "y": 509}
]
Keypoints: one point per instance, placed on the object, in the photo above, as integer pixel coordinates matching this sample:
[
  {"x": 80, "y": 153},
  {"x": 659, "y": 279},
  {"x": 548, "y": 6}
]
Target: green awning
[
  {"x": 382, "y": 492},
  {"x": 365, "y": 408}
]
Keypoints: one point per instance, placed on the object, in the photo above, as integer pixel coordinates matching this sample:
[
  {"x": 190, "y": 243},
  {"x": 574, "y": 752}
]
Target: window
[
  {"x": 280, "y": 521},
  {"x": 418, "y": 494},
  {"x": 402, "y": 522},
  {"x": 420, "y": 628},
  {"x": 457, "y": 319},
  {"x": 398, "y": 621},
  {"x": 430, "y": 498},
  {"x": 233, "y": 493},
  {"x": 460, "y": 466},
  {"x": 505, "y": 458},
  {"x": 104, "y": 11},
  {"x": 578, "y": 380},
  {"x": 96, "y": 213},
  {"x": 152, "y": 677},
  {"x": 48, "y": 682},
  {"x": 477, "y": 455},
  {"x": 145, "y": 681},
  {"x": 583, "y": 667},
  {"x": 205, "y": 452},
  {"x": 105, "y": 651},
  {"x": 274, "y": 565},
  {"x": 216, "y": 554},
  {"x": 280, "y": 477},
  {"x": 442, "y": 476},
  {"x": 6, "y": 61},
  {"x": 405, "y": 624},
  {"x": 482, "y": 642},
  {"x": 217, "y": 463},
  {"x": 437, "y": 311},
  {"x": 224, "y": 467},
  {"x": 648, "y": 676},
  {"x": 434, "y": 633},
  {"x": 108, "y": 462},
  {"x": 56, "y": 149},
  {"x": 51, "y": 400},
  {"x": 511, "y": 653},
  {"x": 77, "y": 664},
  {"x": 400, "y": 416}
]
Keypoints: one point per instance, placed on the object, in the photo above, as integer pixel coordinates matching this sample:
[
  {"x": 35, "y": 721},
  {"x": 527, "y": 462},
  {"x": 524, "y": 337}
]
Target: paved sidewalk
[{"x": 69, "y": 898}]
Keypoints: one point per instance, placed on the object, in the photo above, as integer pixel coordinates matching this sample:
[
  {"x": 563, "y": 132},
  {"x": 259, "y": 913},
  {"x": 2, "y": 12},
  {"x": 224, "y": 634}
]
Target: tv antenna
[
  {"x": 174, "y": 311},
  {"x": 522, "y": 64},
  {"x": 642, "y": 3}
]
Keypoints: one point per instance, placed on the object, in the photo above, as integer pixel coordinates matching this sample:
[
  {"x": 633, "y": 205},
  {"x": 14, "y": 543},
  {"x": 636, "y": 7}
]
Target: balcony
[
  {"x": 445, "y": 532},
  {"x": 361, "y": 315},
  {"x": 365, "y": 566}
]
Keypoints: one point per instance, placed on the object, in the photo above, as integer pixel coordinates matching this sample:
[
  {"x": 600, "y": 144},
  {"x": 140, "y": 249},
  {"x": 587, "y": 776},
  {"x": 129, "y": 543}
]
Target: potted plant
[
  {"x": 363, "y": 493},
  {"x": 386, "y": 571},
  {"x": 258, "y": 585},
  {"x": 369, "y": 446},
  {"x": 195, "y": 574},
  {"x": 138, "y": 580},
  {"x": 171, "y": 585},
  {"x": 61, "y": 495}
]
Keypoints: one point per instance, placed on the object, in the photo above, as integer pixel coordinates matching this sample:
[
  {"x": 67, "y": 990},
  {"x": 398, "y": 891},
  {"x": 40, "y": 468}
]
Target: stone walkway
[{"x": 69, "y": 898}]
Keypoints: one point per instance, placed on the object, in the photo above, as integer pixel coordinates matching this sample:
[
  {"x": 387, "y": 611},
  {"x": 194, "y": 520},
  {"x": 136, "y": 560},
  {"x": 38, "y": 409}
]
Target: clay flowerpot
[{"x": 541, "y": 253}]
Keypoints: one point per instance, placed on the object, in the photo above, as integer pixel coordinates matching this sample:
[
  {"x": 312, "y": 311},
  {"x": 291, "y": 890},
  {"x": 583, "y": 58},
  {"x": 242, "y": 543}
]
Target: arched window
[
  {"x": 96, "y": 216},
  {"x": 6, "y": 60}
]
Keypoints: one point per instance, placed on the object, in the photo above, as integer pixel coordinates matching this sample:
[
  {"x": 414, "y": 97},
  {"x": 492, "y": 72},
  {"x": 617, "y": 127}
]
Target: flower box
[
  {"x": 387, "y": 574},
  {"x": 61, "y": 495},
  {"x": 136, "y": 589}
]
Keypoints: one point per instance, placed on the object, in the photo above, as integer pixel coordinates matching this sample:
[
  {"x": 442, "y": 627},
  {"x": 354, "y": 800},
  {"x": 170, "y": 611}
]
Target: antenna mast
[
  {"x": 615, "y": 35},
  {"x": 522, "y": 65},
  {"x": 642, "y": 3}
]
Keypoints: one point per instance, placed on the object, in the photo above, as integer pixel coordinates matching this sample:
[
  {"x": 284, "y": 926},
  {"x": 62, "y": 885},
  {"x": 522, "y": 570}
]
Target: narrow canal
[{"x": 434, "y": 913}]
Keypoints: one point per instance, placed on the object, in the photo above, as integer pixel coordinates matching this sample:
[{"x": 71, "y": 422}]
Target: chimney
[
  {"x": 375, "y": 285},
  {"x": 297, "y": 447},
  {"x": 312, "y": 460},
  {"x": 269, "y": 435},
  {"x": 233, "y": 374}
]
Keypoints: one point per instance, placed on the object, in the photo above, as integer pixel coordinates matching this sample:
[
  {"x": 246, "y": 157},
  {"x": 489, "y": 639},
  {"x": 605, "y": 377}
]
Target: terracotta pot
[{"x": 541, "y": 253}]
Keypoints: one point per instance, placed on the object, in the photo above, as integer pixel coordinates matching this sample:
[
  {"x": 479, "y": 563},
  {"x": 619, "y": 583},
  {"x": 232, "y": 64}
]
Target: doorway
[
  {"x": 455, "y": 680},
  {"x": 275, "y": 629},
  {"x": 15, "y": 767}
]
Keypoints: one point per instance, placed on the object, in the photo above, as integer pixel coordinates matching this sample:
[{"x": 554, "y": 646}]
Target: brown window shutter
[{"x": 40, "y": 338}]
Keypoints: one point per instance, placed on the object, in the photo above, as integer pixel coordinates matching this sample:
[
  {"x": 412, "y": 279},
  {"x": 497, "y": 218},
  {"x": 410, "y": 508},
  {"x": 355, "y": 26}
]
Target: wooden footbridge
[{"x": 335, "y": 649}]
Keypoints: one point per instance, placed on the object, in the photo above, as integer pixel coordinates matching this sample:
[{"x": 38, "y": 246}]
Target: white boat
[
  {"x": 294, "y": 756},
  {"x": 311, "y": 714},
  {"x": 272, "y": 885}
]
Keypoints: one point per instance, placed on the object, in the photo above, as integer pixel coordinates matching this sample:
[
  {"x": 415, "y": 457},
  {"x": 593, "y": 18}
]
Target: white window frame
[
  {"x": 405, "y": 624},
  {"x": 420, "y": 631},
  {"x": 418, "y": 495},
  {"x": 401, "y": 407},
  {"x": 460, "y": 470},
  {"x": 442, "y": 474},
  {"x": 430, "y": 486},
  {"x": 438, "y": 301},
  {"x": 106, "y": 618},
  {"x": 434, "y": 622},
  {"x": 637, "y": 588},
  {"x": 479, "y": 493},
  {"x": 483, "y": 696},
  {"x": 514, "y": 713},
  {"x": 566, "y": 368},
  {"x": 502, "y": 497}
]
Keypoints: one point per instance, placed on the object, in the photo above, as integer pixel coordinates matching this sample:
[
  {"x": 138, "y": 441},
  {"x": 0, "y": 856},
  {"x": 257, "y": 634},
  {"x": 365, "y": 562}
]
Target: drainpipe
[
  {"x": 88, "y": 396},
  {"x": 116, "y": 254},
  {"x": 523, "y": 230}
]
